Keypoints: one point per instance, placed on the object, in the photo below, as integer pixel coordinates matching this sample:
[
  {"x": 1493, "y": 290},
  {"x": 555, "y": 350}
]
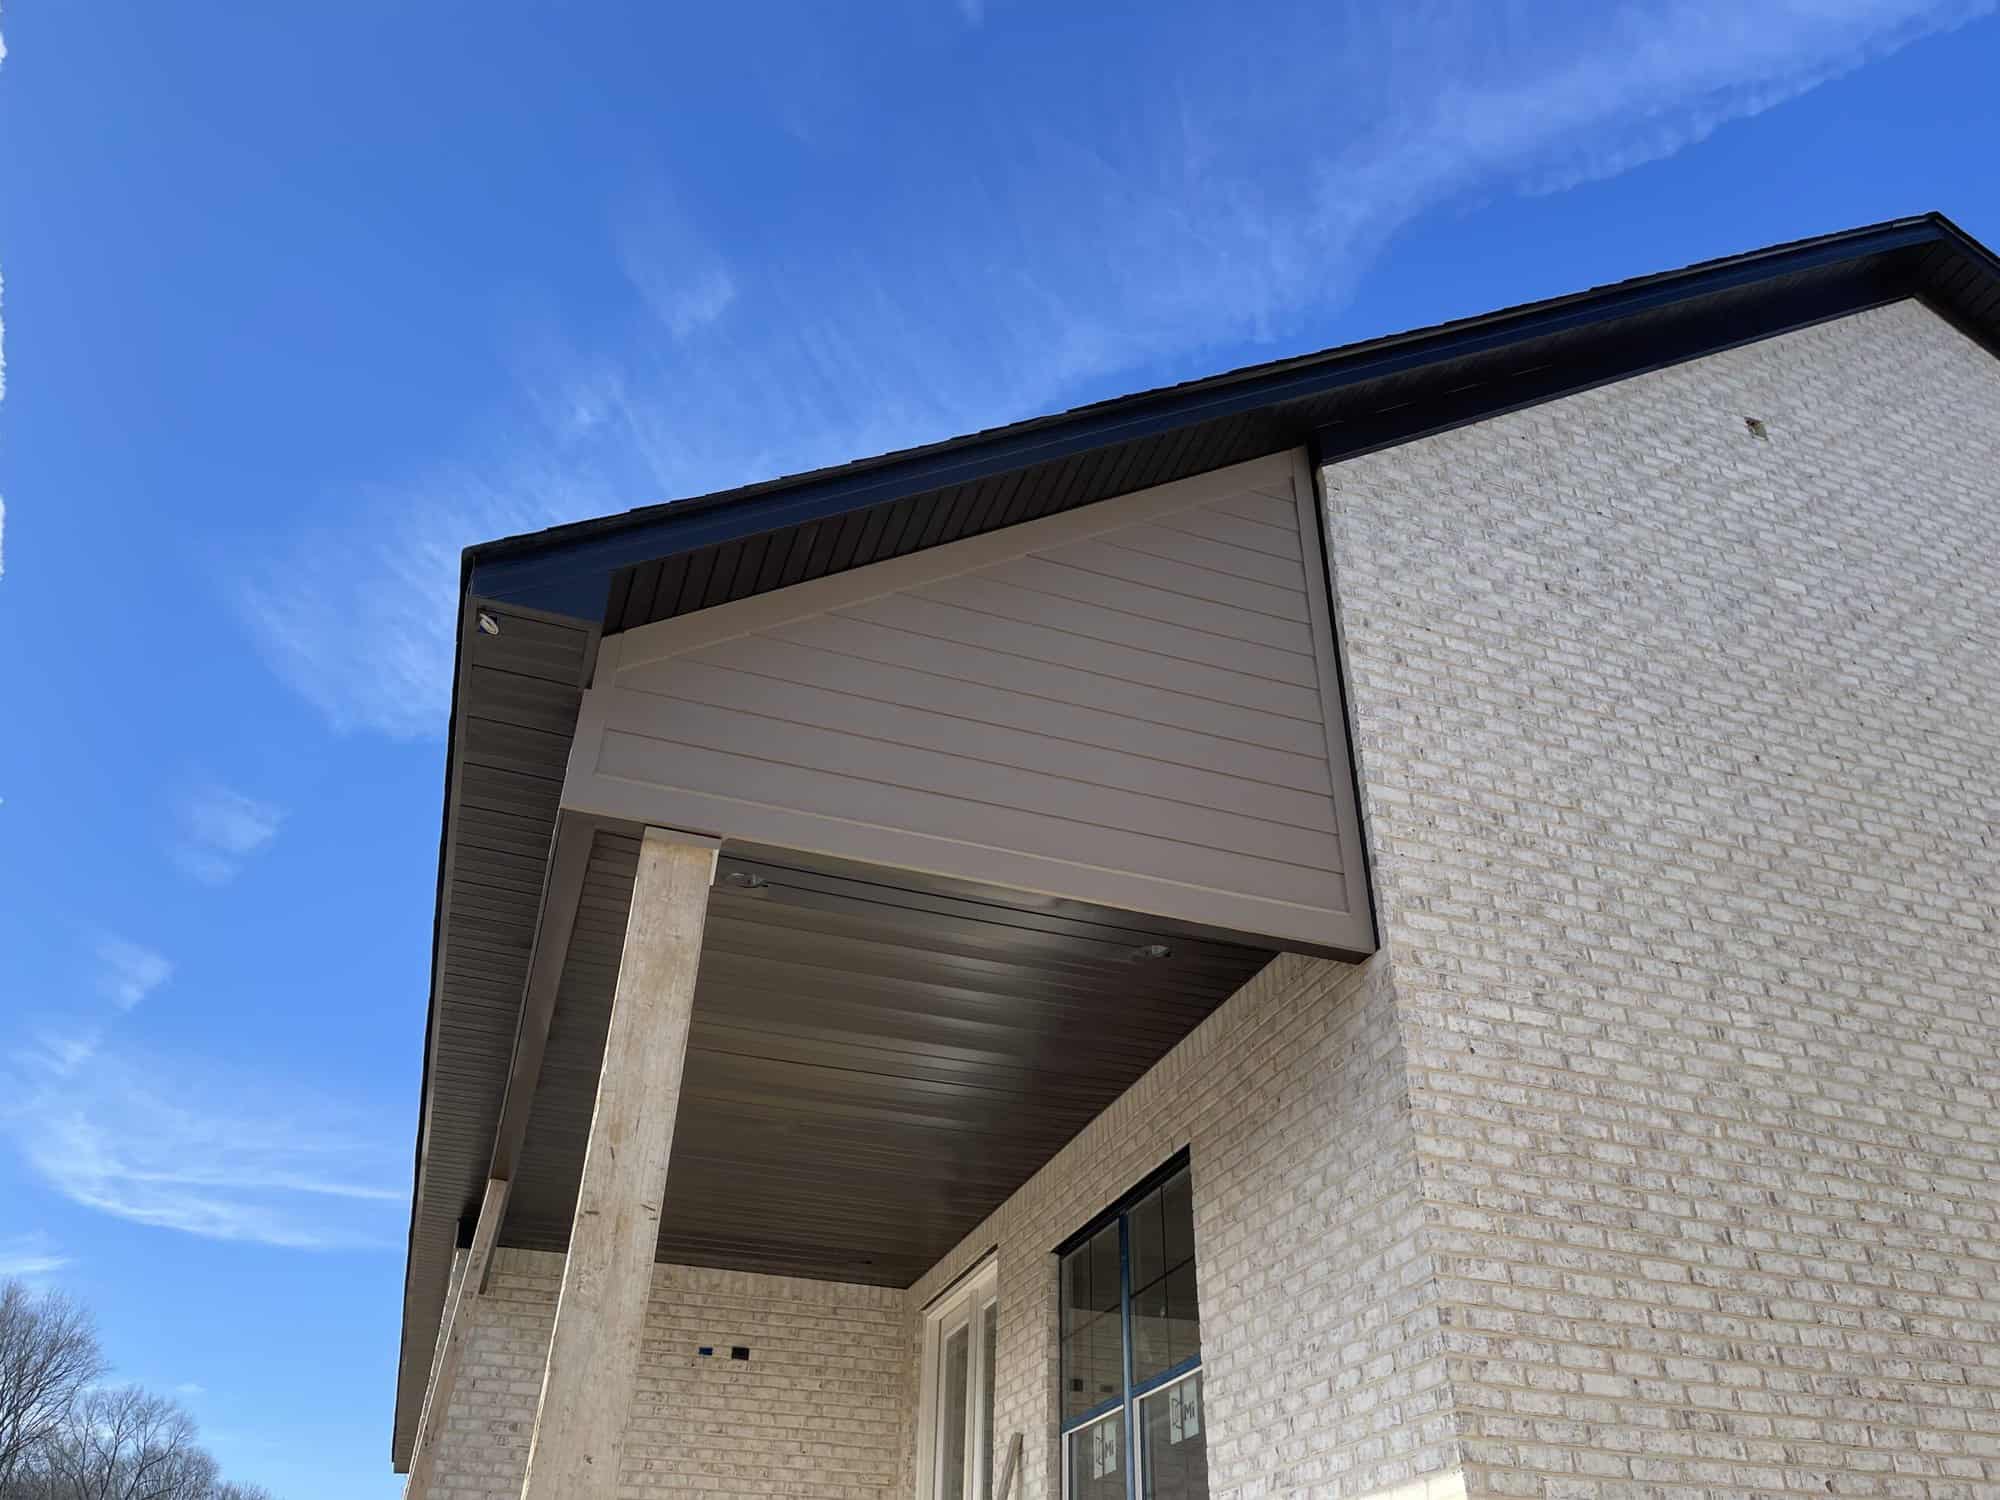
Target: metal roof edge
[
  {"x": 397, "y": 1458},
  {"x": 567, "y": 567}
]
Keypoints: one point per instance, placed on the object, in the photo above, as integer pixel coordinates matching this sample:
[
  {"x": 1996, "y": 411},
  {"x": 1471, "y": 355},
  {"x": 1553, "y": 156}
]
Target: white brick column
[{"x": 593, "y": 1363}]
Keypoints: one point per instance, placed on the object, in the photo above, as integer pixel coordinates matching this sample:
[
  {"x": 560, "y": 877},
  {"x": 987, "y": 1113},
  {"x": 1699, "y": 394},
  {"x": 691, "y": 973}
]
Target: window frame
[
  {"x": 970, "y": 1294},
  {"x": 1126, "y": 1403}
]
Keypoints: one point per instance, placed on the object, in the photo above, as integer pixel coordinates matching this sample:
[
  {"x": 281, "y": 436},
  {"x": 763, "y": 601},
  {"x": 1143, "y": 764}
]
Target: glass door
[{"x": 960, "y": 1335}]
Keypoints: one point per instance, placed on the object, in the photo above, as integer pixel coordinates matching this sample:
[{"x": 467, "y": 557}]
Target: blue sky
[{"x": 301, "y": 298}]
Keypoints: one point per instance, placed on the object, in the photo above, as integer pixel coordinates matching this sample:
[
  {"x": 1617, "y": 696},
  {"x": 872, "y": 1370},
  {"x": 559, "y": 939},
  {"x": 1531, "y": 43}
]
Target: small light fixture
[
  {"x": 743, "y": 880},
  {"x": 1151, "y": 953},
  {"x": 1757, "y": 429},
  {"x": 487, "y": 624}
]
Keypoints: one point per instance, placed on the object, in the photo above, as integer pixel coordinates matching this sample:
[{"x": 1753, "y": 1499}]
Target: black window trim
[
  {"x": 1128, "y": 1400},
  {"x": 1126, "y": 1200}
]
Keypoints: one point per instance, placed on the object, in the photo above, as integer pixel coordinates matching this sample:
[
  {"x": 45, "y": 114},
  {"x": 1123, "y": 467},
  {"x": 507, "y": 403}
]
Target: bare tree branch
[
  {"x": 48, "y": 1354},
  {"x": 128, "y": 1444},
  {"x": 63, "y": 1438}
]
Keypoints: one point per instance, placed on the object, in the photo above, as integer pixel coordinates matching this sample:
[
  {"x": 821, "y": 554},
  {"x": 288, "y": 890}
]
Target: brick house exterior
[{"x": 1650, "y": 1149}]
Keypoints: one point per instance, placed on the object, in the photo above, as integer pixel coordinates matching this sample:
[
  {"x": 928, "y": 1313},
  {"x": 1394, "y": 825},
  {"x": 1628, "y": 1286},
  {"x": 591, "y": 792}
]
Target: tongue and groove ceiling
[{"x": 871, "y": 1069}]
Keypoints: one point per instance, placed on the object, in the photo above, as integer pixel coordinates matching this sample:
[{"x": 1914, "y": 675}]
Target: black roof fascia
[
  {"x": 1691, "y": 334},
  {"x": 568, "y": 569}
]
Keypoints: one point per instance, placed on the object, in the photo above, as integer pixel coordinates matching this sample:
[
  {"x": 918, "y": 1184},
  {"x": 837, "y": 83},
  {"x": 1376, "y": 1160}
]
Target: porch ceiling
[{"x": 872, "y": 1068}]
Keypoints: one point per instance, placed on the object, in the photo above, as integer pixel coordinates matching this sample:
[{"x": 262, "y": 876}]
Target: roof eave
[{"x": 566, "y": 569}]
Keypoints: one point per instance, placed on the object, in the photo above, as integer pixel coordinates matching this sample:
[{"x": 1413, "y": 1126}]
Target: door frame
[{"x": 964, "y": 1302}]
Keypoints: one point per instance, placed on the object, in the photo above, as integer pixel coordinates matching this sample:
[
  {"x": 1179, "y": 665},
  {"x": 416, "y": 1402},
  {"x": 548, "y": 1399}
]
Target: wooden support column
[
  {"x": 457, "y": 1329},
  {"x": 593, "y": 1365}
]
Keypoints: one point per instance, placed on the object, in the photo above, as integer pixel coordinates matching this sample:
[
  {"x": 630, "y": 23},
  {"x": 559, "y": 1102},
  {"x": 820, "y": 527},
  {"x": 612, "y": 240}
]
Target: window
[
  {"x": 1131, "y": 1351},
  {"x": 956, "y": 1460}
]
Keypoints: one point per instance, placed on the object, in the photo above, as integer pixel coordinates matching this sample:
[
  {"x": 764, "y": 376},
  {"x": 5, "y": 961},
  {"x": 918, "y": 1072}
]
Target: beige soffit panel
[{"x": 1133, "y": 704}]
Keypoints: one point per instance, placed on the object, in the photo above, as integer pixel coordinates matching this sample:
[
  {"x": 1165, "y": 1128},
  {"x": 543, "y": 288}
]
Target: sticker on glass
[
  {"x": 1184, "y": 1411},
  {"x": 1103, "y": 1450}
]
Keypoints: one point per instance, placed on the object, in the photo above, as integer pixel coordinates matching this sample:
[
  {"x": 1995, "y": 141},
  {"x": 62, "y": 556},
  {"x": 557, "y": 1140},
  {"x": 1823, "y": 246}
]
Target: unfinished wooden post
[
  {"x": 451, "y": 1349},
  {"x": 593, "y": 1366}
]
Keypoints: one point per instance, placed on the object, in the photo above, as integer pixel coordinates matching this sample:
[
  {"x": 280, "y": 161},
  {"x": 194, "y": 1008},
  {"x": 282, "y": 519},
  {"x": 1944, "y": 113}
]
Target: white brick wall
[
  {"x": 1321, "y": 1342},
  {"x": 1681, "y": 755},
  {"x": 816, "y": 1411}
]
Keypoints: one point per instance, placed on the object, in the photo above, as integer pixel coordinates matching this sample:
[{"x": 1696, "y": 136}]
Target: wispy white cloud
[
  {"x": 683, "y": 282},
  {"x": 360, "y": 619},
  {"x": 129, "y": 972},
  {"x": 162, "y": 1141},
  {"x": 182, "y": 1143},
  {"x": 29, "y": 1255},
  {"x": 59, "y": 1052},
  {"x": 1214, "y": 184},
  {"x": 1648, "y": 82},
  {"x": 219, "y": 828}
]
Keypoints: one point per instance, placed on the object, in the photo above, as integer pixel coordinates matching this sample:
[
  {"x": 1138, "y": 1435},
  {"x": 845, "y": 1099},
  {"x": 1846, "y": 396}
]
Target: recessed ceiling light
[{"x": 1152, "y": 952}]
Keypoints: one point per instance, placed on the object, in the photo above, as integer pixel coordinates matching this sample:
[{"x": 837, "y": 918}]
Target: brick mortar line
[{"x": 1426, "y": 1071}]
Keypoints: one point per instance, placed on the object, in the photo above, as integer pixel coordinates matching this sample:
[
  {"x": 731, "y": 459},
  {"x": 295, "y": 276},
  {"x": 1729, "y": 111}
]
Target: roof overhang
[
  {"x": 662, "y": 560},
  {"x": 554, "y": 593}
]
